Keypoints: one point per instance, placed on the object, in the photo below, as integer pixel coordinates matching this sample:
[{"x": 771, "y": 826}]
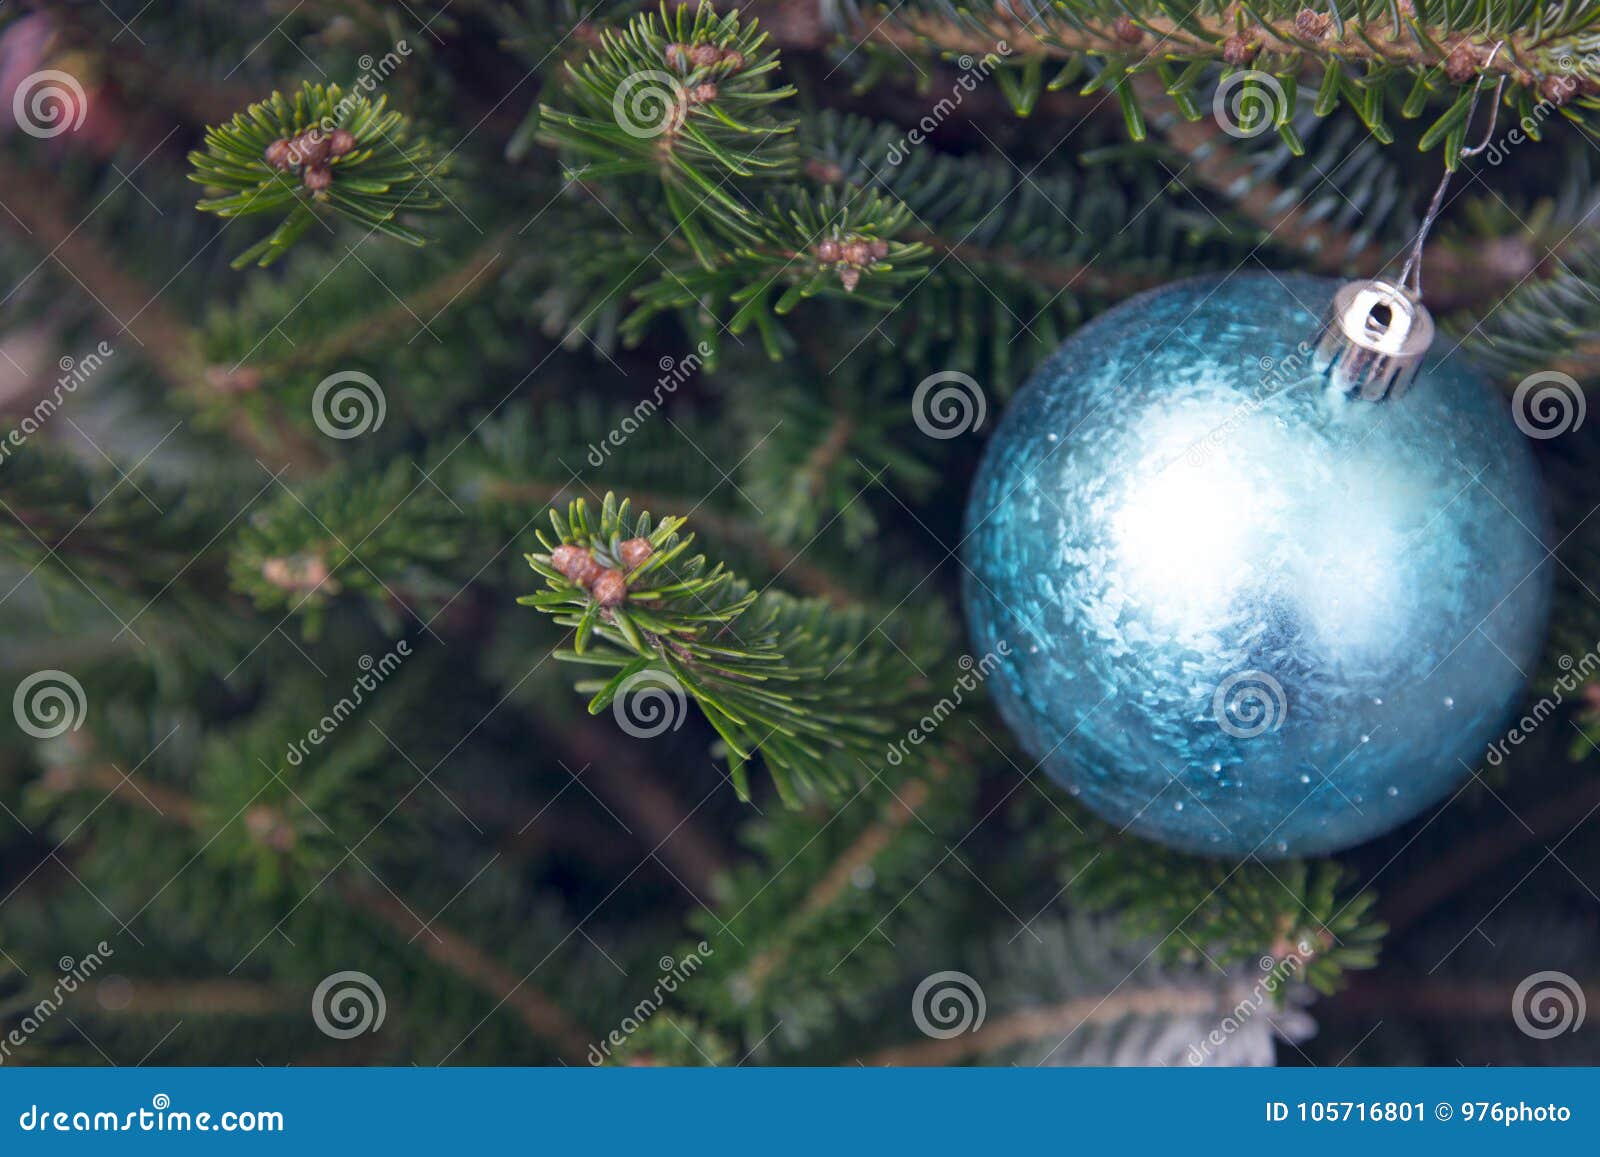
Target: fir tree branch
[
  {"x": 1229, "y": 912},
  {"x": 812, "y": 689},
  {"x": 1475, "y": 271},
  {"x": 435, "y": 939},
  {"x": 1221, "y": 167},
  {"x": 451, "y": 288},
  {"x": 1365, "y": 32},
  {"x": 683, "y": 96},
  {"x": 821, "y": 455},
  {"x": 815, "y": 920},
  {"x": 145, "y": 567},
  {"x": 684, "y": 99},
  {"x": 1055, "y": 1021},
  {"x": 780, "y": 560},
  {"x": 1366, "y": 51},
  {"x": 864, "y": 851},
  {"x": 319, "y": 152},
  {"x": 1025, "y": 257},
  {"x": 166, "y": 343},
  {"x": 169, "y": 345},
  {"x": 383, "y": 535},
  {"x": 465, "y": 959},
  {"x": 204, "y": 996}
]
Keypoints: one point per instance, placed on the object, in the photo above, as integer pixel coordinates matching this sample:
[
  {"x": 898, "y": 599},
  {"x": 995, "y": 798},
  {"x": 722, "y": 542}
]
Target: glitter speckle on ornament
[{"x": 1227, "y": 585}]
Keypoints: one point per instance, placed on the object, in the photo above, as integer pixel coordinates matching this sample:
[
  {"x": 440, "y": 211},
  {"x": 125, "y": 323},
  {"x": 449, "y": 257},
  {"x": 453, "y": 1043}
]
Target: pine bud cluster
[
  {"x": 851, "y": 256},
  {"x": 608, "y": 585},
  {"x": 684, "y": 57},
  {"x": 309, "y": 154}
]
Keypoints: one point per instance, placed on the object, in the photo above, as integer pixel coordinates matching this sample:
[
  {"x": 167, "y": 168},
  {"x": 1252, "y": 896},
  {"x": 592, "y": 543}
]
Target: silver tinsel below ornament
[{"x": 1247, "y": 609}]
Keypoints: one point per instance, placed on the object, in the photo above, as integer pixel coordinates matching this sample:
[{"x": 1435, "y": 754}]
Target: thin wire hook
[{"x": 1411, "y": 274}]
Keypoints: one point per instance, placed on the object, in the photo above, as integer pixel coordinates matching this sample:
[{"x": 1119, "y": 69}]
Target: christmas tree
[{"x": 482, "y": 498}]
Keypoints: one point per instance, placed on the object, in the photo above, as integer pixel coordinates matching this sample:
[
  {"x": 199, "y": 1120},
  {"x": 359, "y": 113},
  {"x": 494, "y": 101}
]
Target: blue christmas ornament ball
[{"x": 1240, "y": 611}]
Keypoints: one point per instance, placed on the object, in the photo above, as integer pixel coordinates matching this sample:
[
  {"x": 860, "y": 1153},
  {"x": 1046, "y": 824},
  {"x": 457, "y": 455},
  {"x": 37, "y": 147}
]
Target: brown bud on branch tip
[
  {"x": 1240, "y": 50},
  {"x": 278, "y": 155},
  {"x": 1311, "y": 25},
  {"x": 568, "y": 558},
  {"x": 825, "y": 171},
  {"x": 300, "y": 573},
  {"x": 586, "y": 571},
  {"x": 635, "y": 552},
  {"x": 1558, "y": 89},
  {"x": 576, "y": 563},
  {"x": 610, "y": 588},
  {"x": 313, "y": 147},
  {"x": 1462, "y": 63},
  {"x": 268, "y": 828}
]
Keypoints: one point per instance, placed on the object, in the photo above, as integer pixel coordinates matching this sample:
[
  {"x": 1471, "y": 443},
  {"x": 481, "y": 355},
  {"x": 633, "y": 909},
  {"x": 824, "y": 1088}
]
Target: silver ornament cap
[{"x": 1373, "y": 339}]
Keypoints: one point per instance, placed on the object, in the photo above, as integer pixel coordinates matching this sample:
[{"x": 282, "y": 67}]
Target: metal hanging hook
[
  {"x": 1376, "y": 332},
  {"x": 1411, "y": 274}
]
